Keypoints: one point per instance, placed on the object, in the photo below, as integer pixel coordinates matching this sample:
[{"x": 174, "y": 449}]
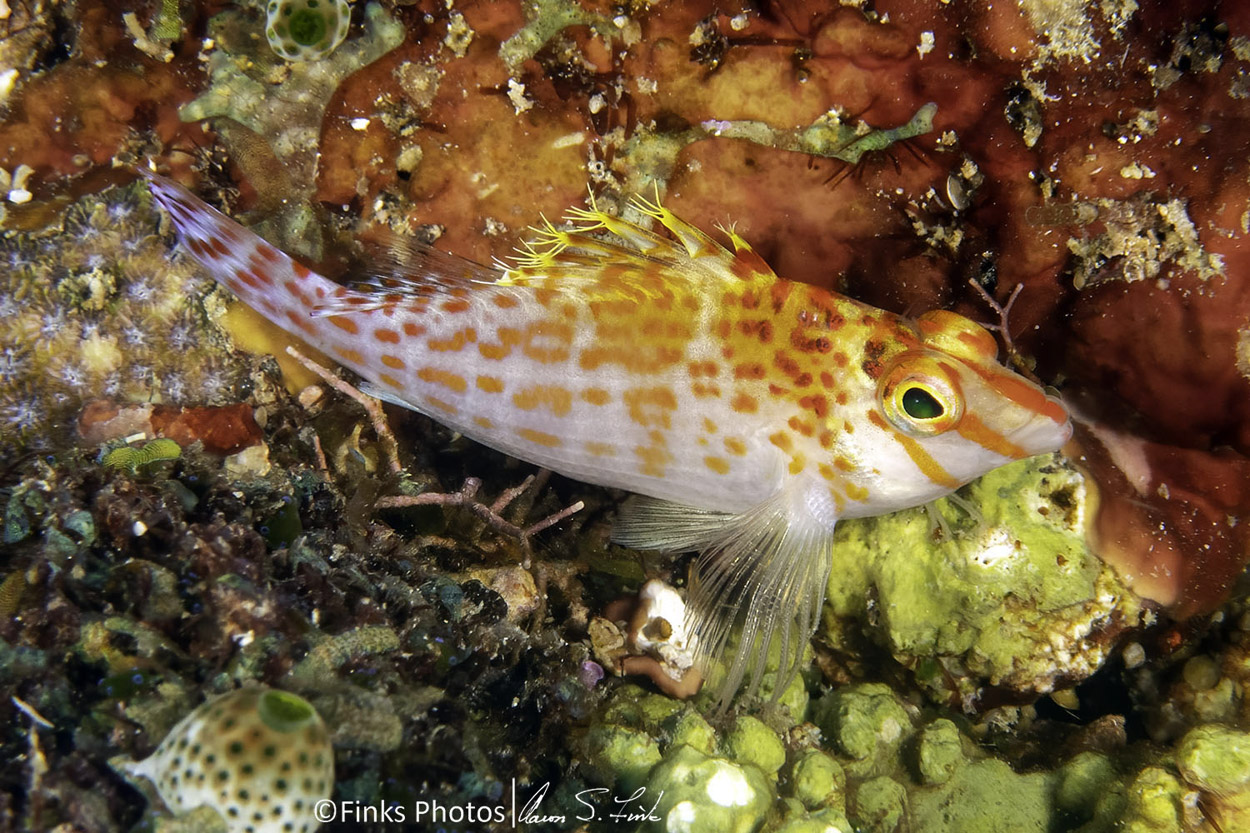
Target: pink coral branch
[
  {"x": 1004, "y": 313},
  {"x": 390, "y": 448}
]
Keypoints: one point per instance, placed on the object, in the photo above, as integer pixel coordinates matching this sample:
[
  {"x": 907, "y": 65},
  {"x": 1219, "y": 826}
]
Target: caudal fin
[{"x": 275, "y": 285}]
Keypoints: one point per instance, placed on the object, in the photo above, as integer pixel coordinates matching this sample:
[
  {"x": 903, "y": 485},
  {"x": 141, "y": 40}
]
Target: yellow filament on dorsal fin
[
  {"x": 694, "y": 241},
  {"x": 731, "y": 232}
]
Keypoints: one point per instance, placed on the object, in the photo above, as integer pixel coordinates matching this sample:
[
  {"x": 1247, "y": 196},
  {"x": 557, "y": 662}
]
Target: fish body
[{"x": 749, "y": 412}]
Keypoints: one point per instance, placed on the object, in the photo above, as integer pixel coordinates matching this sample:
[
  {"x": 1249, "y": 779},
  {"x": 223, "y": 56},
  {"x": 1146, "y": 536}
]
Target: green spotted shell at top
[{"x": 305, "y": 30}]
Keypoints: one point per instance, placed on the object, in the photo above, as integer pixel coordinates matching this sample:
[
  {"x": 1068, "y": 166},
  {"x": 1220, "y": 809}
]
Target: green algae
[
  {"x": 648, "y": 159},
  {"x": 818, "y": 781},
  {"x": 828, "y": 136},
  {"x": 1216, "y": 760},
  {"x": 866, "y": 722},
  {"x": 544, "y": 20},
  {"x": 131, "y": 459}
]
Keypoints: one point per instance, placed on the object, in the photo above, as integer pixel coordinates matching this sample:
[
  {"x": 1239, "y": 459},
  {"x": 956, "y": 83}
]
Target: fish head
[{"x": 947, "y": 411}]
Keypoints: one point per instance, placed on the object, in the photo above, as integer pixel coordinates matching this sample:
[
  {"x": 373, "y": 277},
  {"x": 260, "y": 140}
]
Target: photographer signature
[{"x": 597, "y": 804}]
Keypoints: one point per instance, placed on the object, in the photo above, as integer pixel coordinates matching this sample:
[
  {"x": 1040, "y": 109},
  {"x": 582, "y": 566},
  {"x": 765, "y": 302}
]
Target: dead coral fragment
[{"x": 1141, "y": 236}]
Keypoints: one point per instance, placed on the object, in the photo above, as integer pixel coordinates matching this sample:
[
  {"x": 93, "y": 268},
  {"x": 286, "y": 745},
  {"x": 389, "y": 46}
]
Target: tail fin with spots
[{"x": 275, "y": 285}]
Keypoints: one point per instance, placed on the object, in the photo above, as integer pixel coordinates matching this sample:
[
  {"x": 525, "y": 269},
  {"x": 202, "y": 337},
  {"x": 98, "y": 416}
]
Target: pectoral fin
[{"x": 766, "y": 568}]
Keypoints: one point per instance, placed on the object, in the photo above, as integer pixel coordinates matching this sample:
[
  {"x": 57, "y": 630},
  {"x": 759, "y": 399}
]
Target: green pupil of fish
[
  {"x": 918, "y": 403},
  {"x": 307, "y": 27}
]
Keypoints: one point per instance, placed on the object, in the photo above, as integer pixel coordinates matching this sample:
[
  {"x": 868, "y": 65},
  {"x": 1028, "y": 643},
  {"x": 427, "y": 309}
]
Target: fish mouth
[{"x": 1045, "y": 432}]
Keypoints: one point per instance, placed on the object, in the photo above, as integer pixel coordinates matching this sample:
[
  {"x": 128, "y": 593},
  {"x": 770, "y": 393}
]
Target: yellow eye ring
[{"x": 920, "y": 397}]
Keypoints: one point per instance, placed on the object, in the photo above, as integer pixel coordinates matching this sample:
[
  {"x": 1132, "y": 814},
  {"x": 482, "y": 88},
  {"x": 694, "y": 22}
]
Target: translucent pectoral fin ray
[{"x": 765, "y": 569}]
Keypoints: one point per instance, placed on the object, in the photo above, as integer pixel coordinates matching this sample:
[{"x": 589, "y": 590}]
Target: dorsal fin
[
  {"x": 599, "y": 241},
  {"x": 398, "y": 267}
]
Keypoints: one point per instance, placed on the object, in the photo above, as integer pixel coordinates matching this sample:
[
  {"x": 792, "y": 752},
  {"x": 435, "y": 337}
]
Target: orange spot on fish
[
  {"x": 390, "y": 380},
  {"x": 539, "y": 437},
  {"x": 455, "y": 306},
  {"x": 490, "y": 384},
  {"x": 600, "y": 449},
  {"x": 802, "y": 426},
  {"x": 735, "y": 446},
  {"x": 268, "y": 252},
  {"x": 653, "y": 457},
  {"x": 345, "y": 324},
  {"x": 817, "y": 404},
  {"x": 300, "y": 322},
  {"x": 393, "y": 361},
  {"x": 349, "y": 356},
  {"x": 796, "y": 464},
  {"x": 781, "y": 440},
  {"x": 703, "y": 391},
  {"x": 761, "y": 329},
  {"x": 779, "y": 293},
  {"x": 744, "y": 403},
  {"x": 386, "y": 336},
  {"x": 650, "y": 407},
  {"x": 445, "y": 378},
  {"x": 717, "y": 464},
  {"x": 555, "y": 399},
  {"x": 504, "y": 301},
  {"x": 448, "y": 345},
  {"x": 411, "y": 329},
  {"x": 709, "y": 426},
  {"x": 483, "y": 422},
  {"x": 750, "y": 370},
  {"x": 442, "y": 405},
  {"x": 547, "y": 342},
  {"x": 596, "y": 396}
]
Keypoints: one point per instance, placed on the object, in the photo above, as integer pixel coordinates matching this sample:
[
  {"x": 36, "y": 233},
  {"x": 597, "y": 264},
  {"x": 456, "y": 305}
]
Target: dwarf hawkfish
[{"x": 749, "y": 413}]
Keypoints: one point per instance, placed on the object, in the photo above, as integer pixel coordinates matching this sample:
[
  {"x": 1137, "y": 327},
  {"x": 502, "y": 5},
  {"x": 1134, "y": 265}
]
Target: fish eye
[
  {"x": 920, "y": 398},
  {"x": 918, "y": 403}
]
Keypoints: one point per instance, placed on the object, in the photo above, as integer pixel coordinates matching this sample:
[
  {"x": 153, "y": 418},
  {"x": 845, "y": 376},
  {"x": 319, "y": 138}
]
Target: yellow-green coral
[{"x": 1010, "y": 596}]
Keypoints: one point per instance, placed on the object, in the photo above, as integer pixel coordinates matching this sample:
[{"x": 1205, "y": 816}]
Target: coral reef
[
  {"x": 1084, "y": 159},
  {"x": 99, "y": 307}
]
